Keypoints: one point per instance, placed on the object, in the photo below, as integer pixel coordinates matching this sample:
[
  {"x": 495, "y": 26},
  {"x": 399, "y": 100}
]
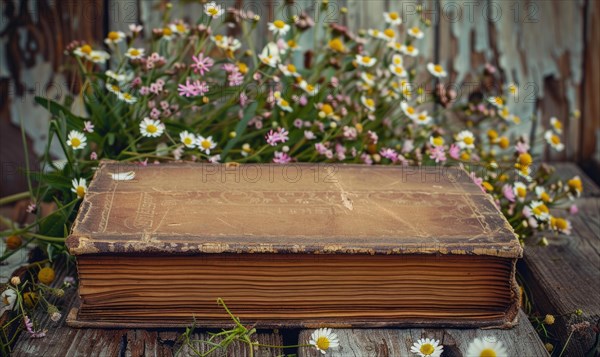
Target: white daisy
[
  {"x": 541, "y": 194},
  {"x": 270, "y": 55},
  {"x": 409, "y": 50},
  {"x": 505, "y": 114},
  {"x": 309, "y": 88},
  {"x": 83, "y": 51},
  {"x": 561, "y": 225},
  {"x": 426, "y": 347},
  {"x": 396, "y": 46},
  {"x": 554, "y": 140},
  {"x": 465, "y": 140},
  {"x": 114, "y": 37},
  {"x": 410, "y": 111},
  {"x": 113, "y": 88},
  {"x": 127, "y": 98},
  {"x": 368, "y": 103},
  {"x": 76, "y": 140},
  {"x": 99, "y": 57},
  {"x": 398, "y": 70},
  {"x": 323, "y": 339},
  {"x": 556, "y": 125},
  {"x": 540, "y": 210},
  {"x": 368, "y": 78},
  {"x": 213, "y": 10},
  {"x": 374, "y": 33},
  {"x": 135, "y": 53},
  {"x": 284, "y": 105},
  {"x": 7, "y": 300},
  {"x": 520, "y": 191},
  {"x": 487, "y": 346},
  {"x": 151, "y": 128},
  {"x": 279, "y": 27},
  {"x": 365, "y": 61},
  {"x": 392, "y": 18},
  {"x": 179, "y": 28},
  {"x": 122, "y": 176},
  {"x": 289, "y": 70},
  {"x": 205, "y": 144},
  {"x": 188, "y": 139},
  {"x": 513, "y": 89},
  {"x": 388, "y": 35},
  {"x": 119, "y": 77},
  {"x": 436, "y": 70},
  {"x": 498, "y": 102},
  {"x": 436, "y": 141},
  {"x": 79, "y": 187},
  {"x": 422, "y": 118},
  {"x": 397, "y": 60},
  {"x": 416, "y": 32},
  {"x": 293, "y": 45}
]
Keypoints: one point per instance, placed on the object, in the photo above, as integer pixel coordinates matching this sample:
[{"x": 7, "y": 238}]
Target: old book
[{"x": 300, "y": 245}]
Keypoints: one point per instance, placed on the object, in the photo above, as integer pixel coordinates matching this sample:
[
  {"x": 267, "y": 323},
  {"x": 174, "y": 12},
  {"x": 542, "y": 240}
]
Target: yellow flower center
[
  {"x": 327, "y": 109},
  {"x": 422, "y": 117},
  {"x": 218, "y": 38},
  {"x": 366, "y": 59},
  {"x": 279, "y": 24},
  {"x": 242, "y": 67},
  {"x": 394, "y": 15},
  {"x": 292, "y": 44},
  {"x": 206, "y": 144},
  {"x": 545, "y": 197},
  {"x": 389, "y": 33},
  {"x": 468, "y": 140},
  {"x": 399, "y": 70},
  {"x": 427, "y": 349},
  {"x": 113, "y": 36},
  {"x": 336, "y": 44},
  {"x": 525, "y": 159},
  {"x": 410, "y": 48},
  {"x": 80, "y": 191},
  {"x": 575, "y": 184},
  {"x": 488, "y": 352},
  {"x": 504, "y": 142},
  {"x": 291, "y": 68},
  {"x": 521, "y": 191},
  {"x": 492, "y": 134},
  {"x": 87, "y": 49},
  {"x": 75, "y": 142},
  {"x": 127, "y": 96},
  {"x": 410, "y": 110},
  {"x": 46, "y": 275},
  {"x": 438, "y": 69},
  {"x": 134, "y": 52},
  {"x": 310, "y": 87},
  {"x": 284, "y": 103},
  {"x": 213, "y": 11},
  {"x": 512, "y": 89},
  {"x": 151, "y": 128},
  {"x": 516, "y": 119},
  {"x": 323, "y": 343},
  {"x": 557, "y": 125},
  {"x": 167, "y": 31},
  {"x": 540, "y": 209},
  {"x": 499, "y": 101},
  {"x": 370, "y": 102},
  {"x": 188, "y": 141},
  {"x": 555, "y": 139},
  {"x": 180, "y": 28},
  {"x": 465, "y": 156},
  {"x": 559, "y": 223},
  {"x": 415, "y": 30},
  {"x": 439, "y": 141},
  {"x": 488, "y": 186}
]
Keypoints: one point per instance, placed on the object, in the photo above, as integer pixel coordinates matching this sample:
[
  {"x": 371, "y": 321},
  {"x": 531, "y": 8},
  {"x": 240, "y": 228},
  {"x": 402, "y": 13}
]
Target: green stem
[
  {"x": 15, "y": 197},
  {"x": 566, "y": 344}
]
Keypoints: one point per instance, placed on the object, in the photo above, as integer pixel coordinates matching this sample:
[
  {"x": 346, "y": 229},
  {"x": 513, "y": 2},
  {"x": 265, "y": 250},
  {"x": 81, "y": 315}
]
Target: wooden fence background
[{"x": 549, "y": 48}]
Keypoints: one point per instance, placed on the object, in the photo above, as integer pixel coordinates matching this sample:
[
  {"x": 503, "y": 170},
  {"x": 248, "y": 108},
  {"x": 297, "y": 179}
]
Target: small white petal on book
[{"x": 123, "y": 176}]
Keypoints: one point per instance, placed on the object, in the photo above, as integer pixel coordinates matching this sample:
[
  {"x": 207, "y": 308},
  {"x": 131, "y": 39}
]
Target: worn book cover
[{"x": 298, "y": 245}]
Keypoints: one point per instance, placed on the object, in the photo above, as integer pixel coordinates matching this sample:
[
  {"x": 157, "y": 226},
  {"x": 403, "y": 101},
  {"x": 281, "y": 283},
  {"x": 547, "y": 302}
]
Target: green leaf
[{"x": 240, "y": 128}]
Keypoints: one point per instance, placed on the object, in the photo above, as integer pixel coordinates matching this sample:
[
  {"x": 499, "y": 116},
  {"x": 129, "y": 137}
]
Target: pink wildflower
[
  {"x": 31, "y": 207},
  {"x": 235, "y": 79},
  {"x": 573, "y": 209},
  {"x": 202, "y": 64},
  {"x": 309, "y": 135},
  {"x": 522, "y": 147},
  {"x": 279, "y": 136},
  {"x": 477, "y": 180},
  {"x": 390, "y": 154},
  {"x": 454, "y": 151},
  {"x": 201, "y": 87},
  {"x": 509, "y": 193},
  {"x": 372, "y": 137},
  {"x": 230, "y": 68},
  {"x": 437, "y": 153},
  {"x": 243, "y": 99},
  {"x": 350, "y": 133},
  {"x": 30, "y": 330},
  {"x": 366, "y": 158},
  {"x": 93, "y": 156},
  {"x": 281, "y": 158}
]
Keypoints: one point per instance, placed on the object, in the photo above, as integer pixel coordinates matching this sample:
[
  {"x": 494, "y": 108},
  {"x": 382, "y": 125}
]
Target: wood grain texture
[
  {"x": 563, "y": 277},
  {"x": 62, "y": 340},
  {"x": 520, "y": 341}
]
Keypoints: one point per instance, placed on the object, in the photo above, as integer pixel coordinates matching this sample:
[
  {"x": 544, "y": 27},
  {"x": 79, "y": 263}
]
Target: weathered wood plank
[
  {"x": 62, "y": 340},
  {"x": 563, "y": 277},
  {"x": 520, "y": 341}
]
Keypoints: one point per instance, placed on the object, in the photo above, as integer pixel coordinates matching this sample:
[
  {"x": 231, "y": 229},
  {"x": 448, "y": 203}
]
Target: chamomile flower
[
  {"x": 426, "y": 347},
  {"x": 540, "y": 210},
  {"x": 416, "y": 32},
  {"x": 409, "y": 110},
  {"x": 270, "y": 55},
  {"x": 337, "y": 45},
  {"x": 397, "y": 60},
  {"x": 151, "y": 128},
  {"x": 541, "y": 194},
  {"x": 76, "y": 140},
  {"x": 365, "y": 61},
  {"x": 374, "y": 33},
  {"x": 575, "y": 185},
  {"x": 188, "y": 139},
  {"x": 119, "y": 77},
  {"x": 388, "y": 35},
  {"x": 309, "y": 88},
  {"x": 135, "y": 53},
  {"x": 79, "y": 187},
  {"x": 505, "y": 114},
  {"x": 127, "y": 98},
  {"x": 8, "y": 299},
  {"x": 556, "y": 125},
  {"x": 83, "y": 51},
  {"x": 409, "y": 50},
  {"x": 213, "y": 10},
  {"x": 436, "y": 70},
  {"x": 326, "y": 111},
  {"x": 392, "y": 18},
  {"x": 205, "y": 144},
  {"x": 279, "y": 27},
  {"x": 368, "y": 78},
  {"x": 289, "y": 70},
  {"x": 436, "y": 141},
  {"x": 498, "y": 102},
  {"x": 114, "y": 37},
  {"x": 398, "y": 70},
  {"x": 560, "y": 225},
  {"x": 323, "y": 339},
  {"x": 465, "y": 140},
  {"x": 512, "y": 89},
  {"x": 520, "y": 191},
  {"x": 99, "y": 57},
  {"x": 180, "y": 28},
  {"x": 396, "y": 46},
  {"x": 113, "y": 88},
  {"x": 167, "y": 33},
  {"x": 487, "y": 346},
  {"x": 368, "y": 103},
  {"x": 554, "y": 140},
  {"x": 422, "y": 118},
  {"x": 284, "y": 105},
  {"x": 293, "y": 45}
]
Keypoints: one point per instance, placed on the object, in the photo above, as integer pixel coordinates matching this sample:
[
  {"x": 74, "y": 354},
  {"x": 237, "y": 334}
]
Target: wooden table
[{"x": 562, "y": 278}]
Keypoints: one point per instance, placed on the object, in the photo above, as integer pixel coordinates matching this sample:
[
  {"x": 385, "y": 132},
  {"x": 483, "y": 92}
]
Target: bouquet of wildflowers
[{"x": 194, "y": 92}]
